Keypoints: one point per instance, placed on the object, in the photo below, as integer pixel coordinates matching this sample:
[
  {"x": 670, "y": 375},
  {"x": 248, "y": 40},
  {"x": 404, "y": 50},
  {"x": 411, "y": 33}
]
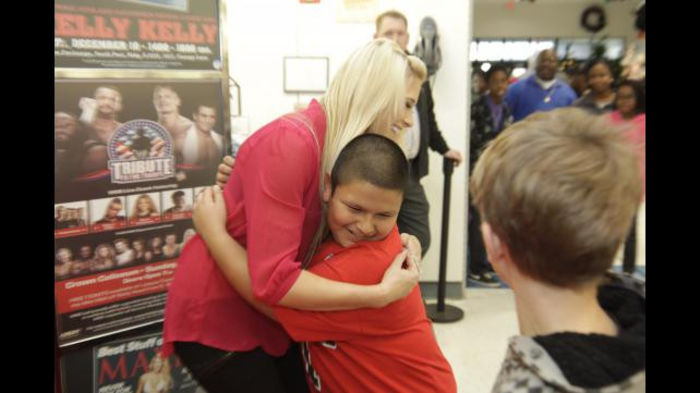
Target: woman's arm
[{"x": 309, "y": 291}]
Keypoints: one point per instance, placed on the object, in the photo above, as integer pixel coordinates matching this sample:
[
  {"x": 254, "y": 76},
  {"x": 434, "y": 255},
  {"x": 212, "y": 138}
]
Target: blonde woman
[
  {"x": 274, "y": 210},
  {"x": 144, "y": 207},
  {"x": 105, "y": 257},
  {"x": 170, "y": 248},
  {"x": 187, "y": 235},
  {"x": 157, "y": 379}
]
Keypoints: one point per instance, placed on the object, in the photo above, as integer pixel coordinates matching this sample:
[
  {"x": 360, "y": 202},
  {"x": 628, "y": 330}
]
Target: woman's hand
[
  {"x": 224, "y": 170},
  {"x": 415, "y": 250},
  {"x": 209, "y": 213},
  {"x": 400, "y": 278}
]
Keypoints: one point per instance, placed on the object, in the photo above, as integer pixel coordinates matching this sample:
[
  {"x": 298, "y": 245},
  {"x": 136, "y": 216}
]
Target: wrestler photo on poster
[
  {"x": 177, "y": 204},
  {"x": 71, "y": 219},
  {"x": 135, "y": 365},
  {"x": 137, "y": 34},
  {"x": 138, "y": 136},
  {"x": 107, "y": 214}
]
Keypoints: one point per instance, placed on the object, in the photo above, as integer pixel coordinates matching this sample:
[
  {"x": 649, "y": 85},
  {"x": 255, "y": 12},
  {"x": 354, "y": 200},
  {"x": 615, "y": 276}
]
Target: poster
[
  {"x": 129, "y": 365},
  {"x": 137, "y": 34},
  {"x": 130, "y": 155}
]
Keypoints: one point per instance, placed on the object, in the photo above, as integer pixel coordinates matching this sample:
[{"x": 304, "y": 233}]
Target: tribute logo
[{"x": 139, "y": 151}]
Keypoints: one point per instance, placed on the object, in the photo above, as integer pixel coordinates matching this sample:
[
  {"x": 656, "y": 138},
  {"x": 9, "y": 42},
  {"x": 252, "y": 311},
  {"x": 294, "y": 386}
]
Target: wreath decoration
[{"x": 593, "y": 19}]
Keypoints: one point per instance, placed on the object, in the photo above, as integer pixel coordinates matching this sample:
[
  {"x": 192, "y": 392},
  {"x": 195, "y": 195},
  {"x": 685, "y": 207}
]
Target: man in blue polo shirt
[{"x": 539, "y": 92}]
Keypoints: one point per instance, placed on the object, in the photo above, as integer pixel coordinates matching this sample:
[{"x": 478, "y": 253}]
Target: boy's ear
[
  {"x": 496, "y": 250},
  {"x": 327, "y": 188}
]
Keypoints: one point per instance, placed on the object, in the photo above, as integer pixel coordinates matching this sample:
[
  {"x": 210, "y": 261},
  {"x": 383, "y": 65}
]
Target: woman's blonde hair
[
  {"x": 164, "y": 371},
  {"x": 151, "y": 206},
  {"x": 368, "y": 93}
]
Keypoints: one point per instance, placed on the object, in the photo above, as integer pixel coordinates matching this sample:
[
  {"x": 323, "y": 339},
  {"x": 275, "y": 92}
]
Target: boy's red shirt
[{"x": 390, "y": 349}]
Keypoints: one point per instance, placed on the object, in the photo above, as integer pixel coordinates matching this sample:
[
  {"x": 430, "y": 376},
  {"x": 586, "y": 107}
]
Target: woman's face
[
  {"x": 626, "y": 100},
  {"x": 138, "y": 245},
  {"x": 156, "y": 242},
  {"x": 405, "y": 119},
  {"x": 143, "y": 205},
  {"x": 157, "y": 364},
  {"x": 599, "y": 78}
]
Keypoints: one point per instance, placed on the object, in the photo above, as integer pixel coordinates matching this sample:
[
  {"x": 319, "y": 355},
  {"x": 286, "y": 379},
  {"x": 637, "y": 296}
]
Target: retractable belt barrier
[{"x": 442, "y": 312}]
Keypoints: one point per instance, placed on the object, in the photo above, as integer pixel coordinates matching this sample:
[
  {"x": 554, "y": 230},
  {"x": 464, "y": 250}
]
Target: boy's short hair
[
  {"x": 372, "y": 158},
  {"x": 560, "y": 189}
]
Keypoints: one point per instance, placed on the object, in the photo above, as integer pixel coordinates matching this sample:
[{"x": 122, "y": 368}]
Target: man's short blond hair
[
  {"x": 560, "y": 189},
  {"x": 390, "y": 14}
]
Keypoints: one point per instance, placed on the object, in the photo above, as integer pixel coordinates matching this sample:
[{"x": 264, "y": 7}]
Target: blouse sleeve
[{"x": 276, "y": 177}]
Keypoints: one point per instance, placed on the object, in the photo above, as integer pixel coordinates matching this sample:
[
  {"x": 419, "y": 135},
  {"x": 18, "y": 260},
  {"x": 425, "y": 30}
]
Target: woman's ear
[{"x": 327, "y": 192}]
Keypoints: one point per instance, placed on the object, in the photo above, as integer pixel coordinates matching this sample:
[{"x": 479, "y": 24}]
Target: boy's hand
[
  {"x": 399, "y": 281},
  {"x": 224, "y": 170},
  {"x": 209, "y": 213}
]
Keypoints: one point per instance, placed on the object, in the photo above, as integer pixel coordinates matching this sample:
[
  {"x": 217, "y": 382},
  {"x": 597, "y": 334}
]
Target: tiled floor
[{"x": 475, "y": 346}]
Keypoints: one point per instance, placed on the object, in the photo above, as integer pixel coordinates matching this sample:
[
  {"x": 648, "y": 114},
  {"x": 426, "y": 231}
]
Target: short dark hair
[
  {"x": 206, "y": 105},
  {"x": 389, "y": 14},
  {"x": 594, "y": 62},
  {"x": 639, "y": 95},
  {"x": 372, "y": 158},
  {"x": 176, "y": 194},
  {"x": 495, "y": 68}
]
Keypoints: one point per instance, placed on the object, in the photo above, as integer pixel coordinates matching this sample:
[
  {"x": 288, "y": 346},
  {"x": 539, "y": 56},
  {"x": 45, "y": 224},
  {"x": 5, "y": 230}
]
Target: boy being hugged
[
  {"x": 389, "y": 349},
  {"x": 556, "y": 193}
]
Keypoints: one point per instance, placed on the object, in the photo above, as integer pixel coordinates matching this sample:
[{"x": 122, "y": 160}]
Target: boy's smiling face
[{"x": 360, "y": 211}]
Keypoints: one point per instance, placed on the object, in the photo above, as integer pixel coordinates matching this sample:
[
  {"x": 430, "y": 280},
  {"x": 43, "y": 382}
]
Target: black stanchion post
[{"x": 441, "y": 312}]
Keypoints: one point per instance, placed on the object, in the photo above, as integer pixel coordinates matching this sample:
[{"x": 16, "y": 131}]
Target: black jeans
[
  {"x": 413, "y": 215},
  {"x": 254, "y": 371}
]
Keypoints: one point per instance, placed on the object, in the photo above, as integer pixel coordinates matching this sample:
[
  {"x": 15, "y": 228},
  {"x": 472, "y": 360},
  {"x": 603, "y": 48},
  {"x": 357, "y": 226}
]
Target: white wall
[
  {"x": 262, "y": 32},
  {"x": 550, "y": 19}
]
